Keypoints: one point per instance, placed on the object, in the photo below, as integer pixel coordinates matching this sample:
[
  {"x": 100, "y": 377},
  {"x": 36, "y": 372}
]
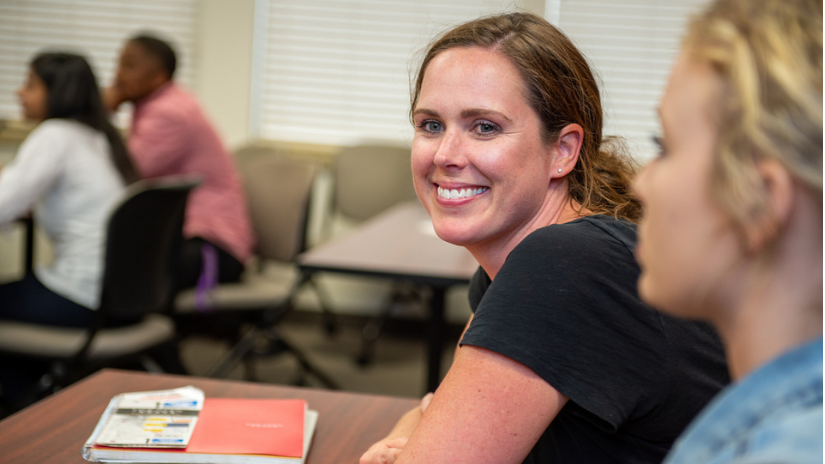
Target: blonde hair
[
  {"x": 561, "y": 89},
  {"x": 768, "y": 56}
]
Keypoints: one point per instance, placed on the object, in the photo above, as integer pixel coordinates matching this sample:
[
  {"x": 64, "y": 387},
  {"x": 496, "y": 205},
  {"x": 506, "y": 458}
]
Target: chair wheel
[
  {"x": 300, "y": 380},
  {"x": 330, "y": 327},
  {"x": 364, "y": 359}
]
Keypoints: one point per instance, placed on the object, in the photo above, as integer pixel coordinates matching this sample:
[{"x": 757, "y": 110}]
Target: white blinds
[
  {"x": 632, "y": 45},
  {"x": 336, "y": 72},
  {"x": 94, "y": 28}
]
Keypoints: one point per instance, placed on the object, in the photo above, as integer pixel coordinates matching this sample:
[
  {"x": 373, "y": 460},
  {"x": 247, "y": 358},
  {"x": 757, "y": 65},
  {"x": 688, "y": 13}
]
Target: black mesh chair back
[{"x": 143, "y": 236}]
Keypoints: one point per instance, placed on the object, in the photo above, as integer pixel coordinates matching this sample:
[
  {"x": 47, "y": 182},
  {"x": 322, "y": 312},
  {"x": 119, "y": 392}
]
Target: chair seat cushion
[
  {"x": 255, "y": 291},
  {"x": 58, "y": 342}
]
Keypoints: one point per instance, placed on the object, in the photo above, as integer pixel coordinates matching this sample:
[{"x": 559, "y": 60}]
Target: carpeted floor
[{"x": 397, "y": 367}]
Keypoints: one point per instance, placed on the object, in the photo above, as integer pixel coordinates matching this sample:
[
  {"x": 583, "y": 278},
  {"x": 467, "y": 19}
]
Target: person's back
[
  {"x": 171, "y": 135},
  {"x": 77, "y": 187}
]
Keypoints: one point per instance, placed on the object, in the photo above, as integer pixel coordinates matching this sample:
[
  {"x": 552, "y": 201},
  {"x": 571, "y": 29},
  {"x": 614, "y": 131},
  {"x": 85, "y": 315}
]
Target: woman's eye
[
  {"x": 431, "y": 126},
  {"x": 660, "y": 145},
  {"x": 486, "y": 128}
]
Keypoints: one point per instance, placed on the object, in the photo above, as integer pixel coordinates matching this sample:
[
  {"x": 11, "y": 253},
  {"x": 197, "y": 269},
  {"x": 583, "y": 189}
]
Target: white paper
[{"x": 157, "y": 419}]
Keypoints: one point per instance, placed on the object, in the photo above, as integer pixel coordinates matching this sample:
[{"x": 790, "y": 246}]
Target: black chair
[{"x": 143, "y": 235}]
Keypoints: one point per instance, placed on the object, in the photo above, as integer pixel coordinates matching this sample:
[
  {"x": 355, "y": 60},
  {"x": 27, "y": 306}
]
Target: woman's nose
[{"x": 451, "y": 151}]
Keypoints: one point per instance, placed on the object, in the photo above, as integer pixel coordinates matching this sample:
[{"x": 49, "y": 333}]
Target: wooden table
[
  {"x": 400, "y": 244},
  {"x": 54, "y": 429}
]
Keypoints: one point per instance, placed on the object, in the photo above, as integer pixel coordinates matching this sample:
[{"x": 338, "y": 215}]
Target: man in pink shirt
[{"x": 170, "y": 135}]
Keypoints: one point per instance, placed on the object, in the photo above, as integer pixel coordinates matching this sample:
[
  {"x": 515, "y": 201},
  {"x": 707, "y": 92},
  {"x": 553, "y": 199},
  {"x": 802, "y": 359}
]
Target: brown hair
[
  {"x": 768, "y": 57},
  {"x": 561, "y": 89}
]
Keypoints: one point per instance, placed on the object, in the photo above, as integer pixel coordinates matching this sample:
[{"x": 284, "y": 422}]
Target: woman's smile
[{"x": 460, "y": 193}]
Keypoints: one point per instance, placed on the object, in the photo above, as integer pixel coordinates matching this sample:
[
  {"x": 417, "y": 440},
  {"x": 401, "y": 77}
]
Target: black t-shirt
[{"x": 565, "y": 305}]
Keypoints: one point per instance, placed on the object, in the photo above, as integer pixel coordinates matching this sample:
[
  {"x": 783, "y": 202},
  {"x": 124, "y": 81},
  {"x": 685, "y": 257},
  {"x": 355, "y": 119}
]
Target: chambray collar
[{"x": 793, "y": 378}]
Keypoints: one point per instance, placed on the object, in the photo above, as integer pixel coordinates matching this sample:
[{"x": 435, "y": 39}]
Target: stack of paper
[{"x": 221, "y": 431}]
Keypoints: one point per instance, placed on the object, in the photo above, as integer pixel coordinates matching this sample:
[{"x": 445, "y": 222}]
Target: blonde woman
[{"x": 732, "y": 230}]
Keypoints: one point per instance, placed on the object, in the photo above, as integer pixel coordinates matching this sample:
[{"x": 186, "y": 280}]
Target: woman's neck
[
  {"x": 558, "y": 210},
  {"x": 768, "y": 325},
  {"x": 779, "y": 302}
]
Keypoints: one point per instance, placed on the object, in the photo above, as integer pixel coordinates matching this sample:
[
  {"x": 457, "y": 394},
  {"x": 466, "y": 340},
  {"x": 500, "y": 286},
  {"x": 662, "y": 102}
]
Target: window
[
  {"x": 337, "y": 71},
  {"x": 93, "y": 28},
  {"x": 632, "y": 45}
]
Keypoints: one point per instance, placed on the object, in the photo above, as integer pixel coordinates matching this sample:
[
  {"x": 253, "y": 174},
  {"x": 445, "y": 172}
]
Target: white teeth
[{"x": 455, "y": 194}]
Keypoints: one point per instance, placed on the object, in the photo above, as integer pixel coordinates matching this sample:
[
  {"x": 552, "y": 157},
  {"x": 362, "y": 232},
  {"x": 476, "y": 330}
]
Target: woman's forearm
[{"x": 409, "y": 421}]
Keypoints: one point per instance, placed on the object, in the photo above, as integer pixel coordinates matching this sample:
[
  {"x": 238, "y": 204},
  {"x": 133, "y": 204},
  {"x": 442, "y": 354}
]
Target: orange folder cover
[{"x": 250, "y": 426}]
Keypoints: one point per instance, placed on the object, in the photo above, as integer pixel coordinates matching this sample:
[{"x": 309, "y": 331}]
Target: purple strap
[{"x": 208, "y": 278}]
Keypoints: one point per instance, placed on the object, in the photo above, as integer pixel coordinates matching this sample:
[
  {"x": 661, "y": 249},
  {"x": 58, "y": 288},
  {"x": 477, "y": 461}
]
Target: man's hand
[{"x": 111, "y": 98}]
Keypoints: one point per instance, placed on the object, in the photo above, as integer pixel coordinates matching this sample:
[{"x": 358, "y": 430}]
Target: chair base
[
  {"x": 401, "y": 294},
  {"x": 258, "y": 342}
]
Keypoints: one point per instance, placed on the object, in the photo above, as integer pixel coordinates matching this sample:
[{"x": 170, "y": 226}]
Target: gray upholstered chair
[
  {"x": 369, "y": 179},
  {"x": 143, "y": 235},
  {"x": 278, "y": 194}
]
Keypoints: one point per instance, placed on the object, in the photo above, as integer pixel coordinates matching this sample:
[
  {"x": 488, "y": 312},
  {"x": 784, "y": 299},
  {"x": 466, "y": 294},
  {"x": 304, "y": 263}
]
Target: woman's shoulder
[
  {"x": 587, "y": 235},
  {"x": 60, "y": 138},
  {"x": 62, "y": 128}
]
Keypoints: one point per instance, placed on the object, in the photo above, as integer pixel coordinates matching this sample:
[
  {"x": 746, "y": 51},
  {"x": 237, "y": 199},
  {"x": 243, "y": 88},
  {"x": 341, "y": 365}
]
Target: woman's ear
[
  {"x": 779, "y": 193},
  {"x": 567, "y": 148}
]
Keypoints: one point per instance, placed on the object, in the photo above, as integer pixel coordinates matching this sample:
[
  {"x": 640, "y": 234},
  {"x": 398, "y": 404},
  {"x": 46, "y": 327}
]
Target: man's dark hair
[{"x": 158, "y": 49}]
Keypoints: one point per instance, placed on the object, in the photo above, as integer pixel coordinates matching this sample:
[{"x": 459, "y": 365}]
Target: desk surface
[
  {"x": 399, "y": 243},
  {"x": 54, "y": 429}
]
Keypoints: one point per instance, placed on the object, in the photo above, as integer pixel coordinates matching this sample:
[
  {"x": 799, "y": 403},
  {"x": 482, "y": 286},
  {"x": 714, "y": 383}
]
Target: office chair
[
  {"x": 142, "y": 235},
  {"x": 369, "y": 179},
  {"x": 278, "y": 193},
  {"x": 248, "y": 154}
]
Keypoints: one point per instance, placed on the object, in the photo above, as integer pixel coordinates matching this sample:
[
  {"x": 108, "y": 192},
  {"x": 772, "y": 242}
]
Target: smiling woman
[{"x": 560, "y": 361}]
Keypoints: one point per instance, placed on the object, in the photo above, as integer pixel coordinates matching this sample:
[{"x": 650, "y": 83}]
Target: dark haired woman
[
  {"x": 561, "y": 362},
  {"x": 71, "y": 171}
]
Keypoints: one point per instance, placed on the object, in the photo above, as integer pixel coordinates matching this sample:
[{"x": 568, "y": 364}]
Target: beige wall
[{"x": 224, "y": 65}]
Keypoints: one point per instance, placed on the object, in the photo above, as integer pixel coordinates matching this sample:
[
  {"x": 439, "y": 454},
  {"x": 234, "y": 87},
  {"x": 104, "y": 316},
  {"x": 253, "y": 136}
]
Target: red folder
[{"x": 250, "y": 426}]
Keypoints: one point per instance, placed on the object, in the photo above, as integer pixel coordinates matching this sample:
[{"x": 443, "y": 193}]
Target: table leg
[
  {"x": 29, "y": 250},
  {"x": 436, "y": 338}
]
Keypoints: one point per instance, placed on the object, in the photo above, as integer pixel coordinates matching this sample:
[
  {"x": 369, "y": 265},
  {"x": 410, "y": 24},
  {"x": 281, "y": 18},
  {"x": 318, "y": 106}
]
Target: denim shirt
[{"x": 773, "y": 415}]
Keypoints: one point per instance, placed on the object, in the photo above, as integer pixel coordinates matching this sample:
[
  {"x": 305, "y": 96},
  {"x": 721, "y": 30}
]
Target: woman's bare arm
[
  {"x": 388, "y": 449},
  {"x": 489, "y": 409}
]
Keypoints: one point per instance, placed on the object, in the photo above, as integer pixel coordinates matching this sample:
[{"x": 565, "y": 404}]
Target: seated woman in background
[
  {"x": 72, "y": 170},
  {"x": 732, "y": 231},
  {"x": 561, "y": 362}
]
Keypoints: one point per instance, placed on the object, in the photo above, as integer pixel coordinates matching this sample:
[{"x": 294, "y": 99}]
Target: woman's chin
[
  {"x": 654, "y": 296},
  {"x": 453, "y": 235},
  {"x": 647, "y": 291}
]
